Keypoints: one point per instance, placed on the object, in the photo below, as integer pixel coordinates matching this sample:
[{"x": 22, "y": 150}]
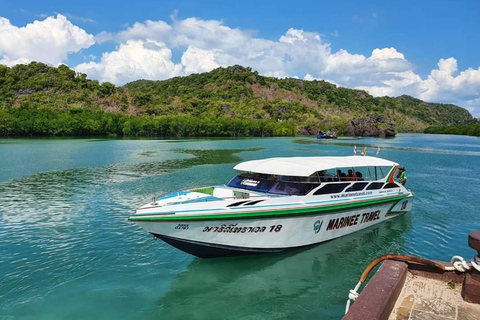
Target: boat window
[
  {"x": 284, "y": 185},
  {"x": 391, "y": 185},
  {"x": 252, "y": 182},
  {"x": 375, "y": 185},
  {"x": 380, "y": 171},
  {"x": 370, "y": 173},
  {"x": 357, "y": 186},
  {"x": 348, "y": 174},
  {"x": 327, "y": 175},
  {"x": 344, "y": 174},
  {"x": 360, "y": 175},
  {"x": 332, "y": 188},
  {"x": 292, "y": 188},
  {"x": 311, "y": 179}
]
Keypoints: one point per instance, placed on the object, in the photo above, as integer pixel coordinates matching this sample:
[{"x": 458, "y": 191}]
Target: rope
[
  {"x": 352, "y": 296},
  {"x": 458, "y": 264}
]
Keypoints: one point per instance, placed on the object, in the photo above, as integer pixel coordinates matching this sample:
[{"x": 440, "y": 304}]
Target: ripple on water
[
  {"x": 66, "y": 238},
  {"x": 61, "y": 227}
]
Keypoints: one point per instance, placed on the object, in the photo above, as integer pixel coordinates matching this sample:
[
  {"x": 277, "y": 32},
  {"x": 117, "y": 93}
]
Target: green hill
[{"x": 235, "y": 101}]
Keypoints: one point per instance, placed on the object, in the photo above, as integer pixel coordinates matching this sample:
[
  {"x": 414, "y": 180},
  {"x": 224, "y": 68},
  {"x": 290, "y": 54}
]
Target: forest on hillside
[
  {"x": 37, "y": 99},
  {"x": 468, "y": 130},
  {"x": 78, "y": 122}
]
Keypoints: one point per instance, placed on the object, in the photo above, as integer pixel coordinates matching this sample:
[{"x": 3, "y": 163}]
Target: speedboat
[
  {"x": 327, "y": 135},
  {"x": 278, "y": 204}
]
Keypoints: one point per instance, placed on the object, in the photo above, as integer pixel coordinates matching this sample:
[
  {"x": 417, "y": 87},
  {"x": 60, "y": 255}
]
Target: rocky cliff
[{"x": 371, "y": 126}]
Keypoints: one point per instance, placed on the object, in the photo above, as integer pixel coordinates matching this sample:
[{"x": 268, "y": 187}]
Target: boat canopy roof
[{"x": 306, "y": 166}]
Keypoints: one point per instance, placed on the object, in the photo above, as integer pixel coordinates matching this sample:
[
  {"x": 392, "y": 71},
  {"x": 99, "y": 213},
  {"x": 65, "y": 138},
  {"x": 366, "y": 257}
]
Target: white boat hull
[{"x": 228, "y": 237}]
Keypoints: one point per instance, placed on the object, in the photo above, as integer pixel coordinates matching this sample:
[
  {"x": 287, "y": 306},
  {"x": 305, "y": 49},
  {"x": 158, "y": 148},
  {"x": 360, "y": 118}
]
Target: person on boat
[
  {"x": 339, "y": 173},
  {"x": 341, "y": 176},
  {"x": 350, "y": 175},
  {"x": 359, "y": 176},
  {"x": 402, "y": 176}
]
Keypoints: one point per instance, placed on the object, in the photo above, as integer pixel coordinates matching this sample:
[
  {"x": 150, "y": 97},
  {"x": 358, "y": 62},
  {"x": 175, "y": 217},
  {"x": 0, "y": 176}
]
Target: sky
[{"x": 427, "y": 49}]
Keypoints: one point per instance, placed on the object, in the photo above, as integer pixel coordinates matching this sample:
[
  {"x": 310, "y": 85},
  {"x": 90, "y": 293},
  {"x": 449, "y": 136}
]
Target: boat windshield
[{"x": 273, "y": 184}]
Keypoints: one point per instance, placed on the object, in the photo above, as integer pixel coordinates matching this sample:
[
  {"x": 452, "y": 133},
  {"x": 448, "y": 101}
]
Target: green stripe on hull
[{"x": 271, "y": 214}]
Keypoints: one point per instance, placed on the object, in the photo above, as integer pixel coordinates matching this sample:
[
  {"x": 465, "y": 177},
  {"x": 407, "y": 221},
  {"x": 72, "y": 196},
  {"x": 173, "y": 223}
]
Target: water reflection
[
  {"x": 67, "y": 245},
  {"x": 294, "y": 285},
  {"x": 60, "y": 226},
  {"x": 27, "y": 196}
]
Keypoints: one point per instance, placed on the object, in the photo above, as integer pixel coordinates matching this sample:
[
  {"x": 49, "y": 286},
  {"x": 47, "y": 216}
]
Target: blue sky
[{"x": 338, "y": 39}]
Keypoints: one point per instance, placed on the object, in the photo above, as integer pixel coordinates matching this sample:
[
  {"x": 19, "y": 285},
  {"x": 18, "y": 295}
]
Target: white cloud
[
  {"x": 154, "y": 30},
  {"x": 209, "y": 44},
  {"x": 474, "y": 106},
  {"x": 202, "y": 34},
  {"x": 309, "y": 77},
  {"x": 443, "y": 84},
  {"x": 395, "y": 84},
  {"x": 133, "y": 60},
  {"x": 294, "y": 35},
  {"x": 207, "y": 34},
  {"x": 145, "y": 51},
  {"x": 49, "y": 41},
  {"x": 385, "y": 54},
  {"x": 197, "y": 60}
]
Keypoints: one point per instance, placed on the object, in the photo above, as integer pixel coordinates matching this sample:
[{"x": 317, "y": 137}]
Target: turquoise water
[{"x": 68, "y": 251}]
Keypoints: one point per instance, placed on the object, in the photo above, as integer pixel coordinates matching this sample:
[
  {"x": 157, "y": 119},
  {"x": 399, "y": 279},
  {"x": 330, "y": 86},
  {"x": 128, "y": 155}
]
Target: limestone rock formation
[{"x": 371, "y": 126}]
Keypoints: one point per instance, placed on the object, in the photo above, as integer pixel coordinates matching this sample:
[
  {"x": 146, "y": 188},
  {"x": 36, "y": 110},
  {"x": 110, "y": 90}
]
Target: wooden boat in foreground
[{"x": 407, "y": 287}]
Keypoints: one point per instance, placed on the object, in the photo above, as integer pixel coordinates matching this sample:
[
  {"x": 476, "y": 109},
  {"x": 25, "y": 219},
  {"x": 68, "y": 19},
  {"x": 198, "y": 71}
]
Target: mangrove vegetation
[
  {"x": 37, "y": 99},
  {"x": 468, "y": 130}
]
